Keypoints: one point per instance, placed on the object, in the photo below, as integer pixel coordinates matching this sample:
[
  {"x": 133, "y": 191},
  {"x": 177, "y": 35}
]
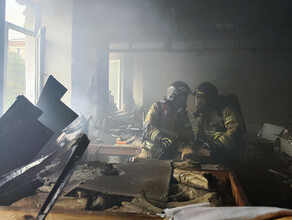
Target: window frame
[
  {"x": 6, "y": 26},
  {"x": 2, "y": 53}
]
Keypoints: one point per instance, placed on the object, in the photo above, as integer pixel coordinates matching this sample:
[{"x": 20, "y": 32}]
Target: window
[
  {"x": 22, "y": 52},
  {"x": 115, "y": 82},
  {"x": 20, "y": 67}
]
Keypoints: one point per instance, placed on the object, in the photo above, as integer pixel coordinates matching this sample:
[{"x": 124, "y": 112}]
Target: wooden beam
[
  {"x": 201, "y": 50},
  {"x": 65, "y": 202},
  {"x": 115, "y": 150},
  {"x": 201, "y": 35},
  {"x": 237, "y": 191},
  {"x": 17, "y": 213},
  {"x": 239, "y": 195}
]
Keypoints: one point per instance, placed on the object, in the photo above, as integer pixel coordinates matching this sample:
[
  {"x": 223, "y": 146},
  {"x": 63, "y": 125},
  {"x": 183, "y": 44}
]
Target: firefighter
[
  {"x": 219, "y": 125},
  {"x": 167, "y": 127}
]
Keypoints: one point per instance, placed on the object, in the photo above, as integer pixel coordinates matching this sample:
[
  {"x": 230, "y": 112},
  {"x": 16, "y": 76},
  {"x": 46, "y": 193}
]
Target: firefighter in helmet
[
  {"x": 167, "y": 127},
  {"x": 219, "y": 125}
]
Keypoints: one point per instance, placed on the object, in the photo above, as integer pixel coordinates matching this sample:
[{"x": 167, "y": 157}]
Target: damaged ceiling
[{"x": 152, "y": 177}]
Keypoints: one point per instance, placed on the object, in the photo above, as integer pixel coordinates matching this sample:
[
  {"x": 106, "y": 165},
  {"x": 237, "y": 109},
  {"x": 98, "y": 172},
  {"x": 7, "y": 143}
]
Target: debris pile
[
  {"x": 118, "y": 137},
  {"x": 147, "y": 186},
  {"x": 187, "y": 186},
  {"x": 31, "y": 139},
  {"x": 47, "y": 163}
]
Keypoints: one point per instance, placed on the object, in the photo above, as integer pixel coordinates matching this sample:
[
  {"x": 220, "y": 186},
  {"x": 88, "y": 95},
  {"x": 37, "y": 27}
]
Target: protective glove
[
  {"x": 165, "y": 142},
  {"x": 206, "y": 146},
  {"x": 186, "y": 152},
  {"x": 203, "y": 152},
  {"x": 214, "y": 145}
]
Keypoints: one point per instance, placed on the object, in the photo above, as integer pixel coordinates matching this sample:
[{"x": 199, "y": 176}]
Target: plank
[
  {"x": 237, "y": 191},
  {"x": 19, "y": 213},
  {"x": 36, "y": 201}
]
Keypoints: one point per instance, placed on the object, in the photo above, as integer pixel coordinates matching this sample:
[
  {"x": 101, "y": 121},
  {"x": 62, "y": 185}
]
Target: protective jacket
[
  {"x": 223, "y": 125},
  {"x": 163, "y": 121}
]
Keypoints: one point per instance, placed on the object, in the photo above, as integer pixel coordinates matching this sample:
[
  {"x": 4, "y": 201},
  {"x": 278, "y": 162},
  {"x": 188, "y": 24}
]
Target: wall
[
  {"x": 261, "y": 80},
  {"x": 57, "y": 18}
]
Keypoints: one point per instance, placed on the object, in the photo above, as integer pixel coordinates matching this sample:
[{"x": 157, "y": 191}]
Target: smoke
[{"x": 100, "y": 25}]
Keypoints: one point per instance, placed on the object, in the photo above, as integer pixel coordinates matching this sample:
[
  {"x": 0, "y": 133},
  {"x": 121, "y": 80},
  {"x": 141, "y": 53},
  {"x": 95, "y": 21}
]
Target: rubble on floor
[
  {"x": 179, "y": 195},
  {"x": 197, "y": 179},
  {"x": 118, "y": 139},
  {"x": 125, "y": 122},
  {"x": 151, "y": 176},
  {"x": 147, "y": 186},
  {"x": 85, "y": 171},
  {"x": 120, "y": 127}
]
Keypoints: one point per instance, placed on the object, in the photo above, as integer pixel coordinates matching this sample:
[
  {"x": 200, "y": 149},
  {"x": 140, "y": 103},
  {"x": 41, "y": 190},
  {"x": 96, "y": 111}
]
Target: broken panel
[
  {"x": 151, "y": 176},
  {"x": 24, "y": 180},
  {"x": 22, "y": 136},
  {"x": 56, "y": 114}
]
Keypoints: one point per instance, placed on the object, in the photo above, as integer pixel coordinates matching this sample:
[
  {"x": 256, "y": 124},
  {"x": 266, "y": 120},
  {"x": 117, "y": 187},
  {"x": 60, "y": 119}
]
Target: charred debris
[{"x": 46, "y": 159}]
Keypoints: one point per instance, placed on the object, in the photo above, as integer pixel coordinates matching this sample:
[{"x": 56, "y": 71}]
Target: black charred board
[
  {"x": 24, "y": 180},
  {"x": 22, "y": 136},
  {"x": 56, "y": 114},
  {"x": 150, "y": 176}
]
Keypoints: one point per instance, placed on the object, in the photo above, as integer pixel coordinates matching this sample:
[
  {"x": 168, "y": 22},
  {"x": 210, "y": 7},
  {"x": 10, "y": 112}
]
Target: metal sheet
[
  {"x": 11, "y": 184},
  {"x": 23, "y": 190},
  {"x": 56, "y": 114},
  {"x": 22, "y": 136},
  {"x": 151, "y": 176}
]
